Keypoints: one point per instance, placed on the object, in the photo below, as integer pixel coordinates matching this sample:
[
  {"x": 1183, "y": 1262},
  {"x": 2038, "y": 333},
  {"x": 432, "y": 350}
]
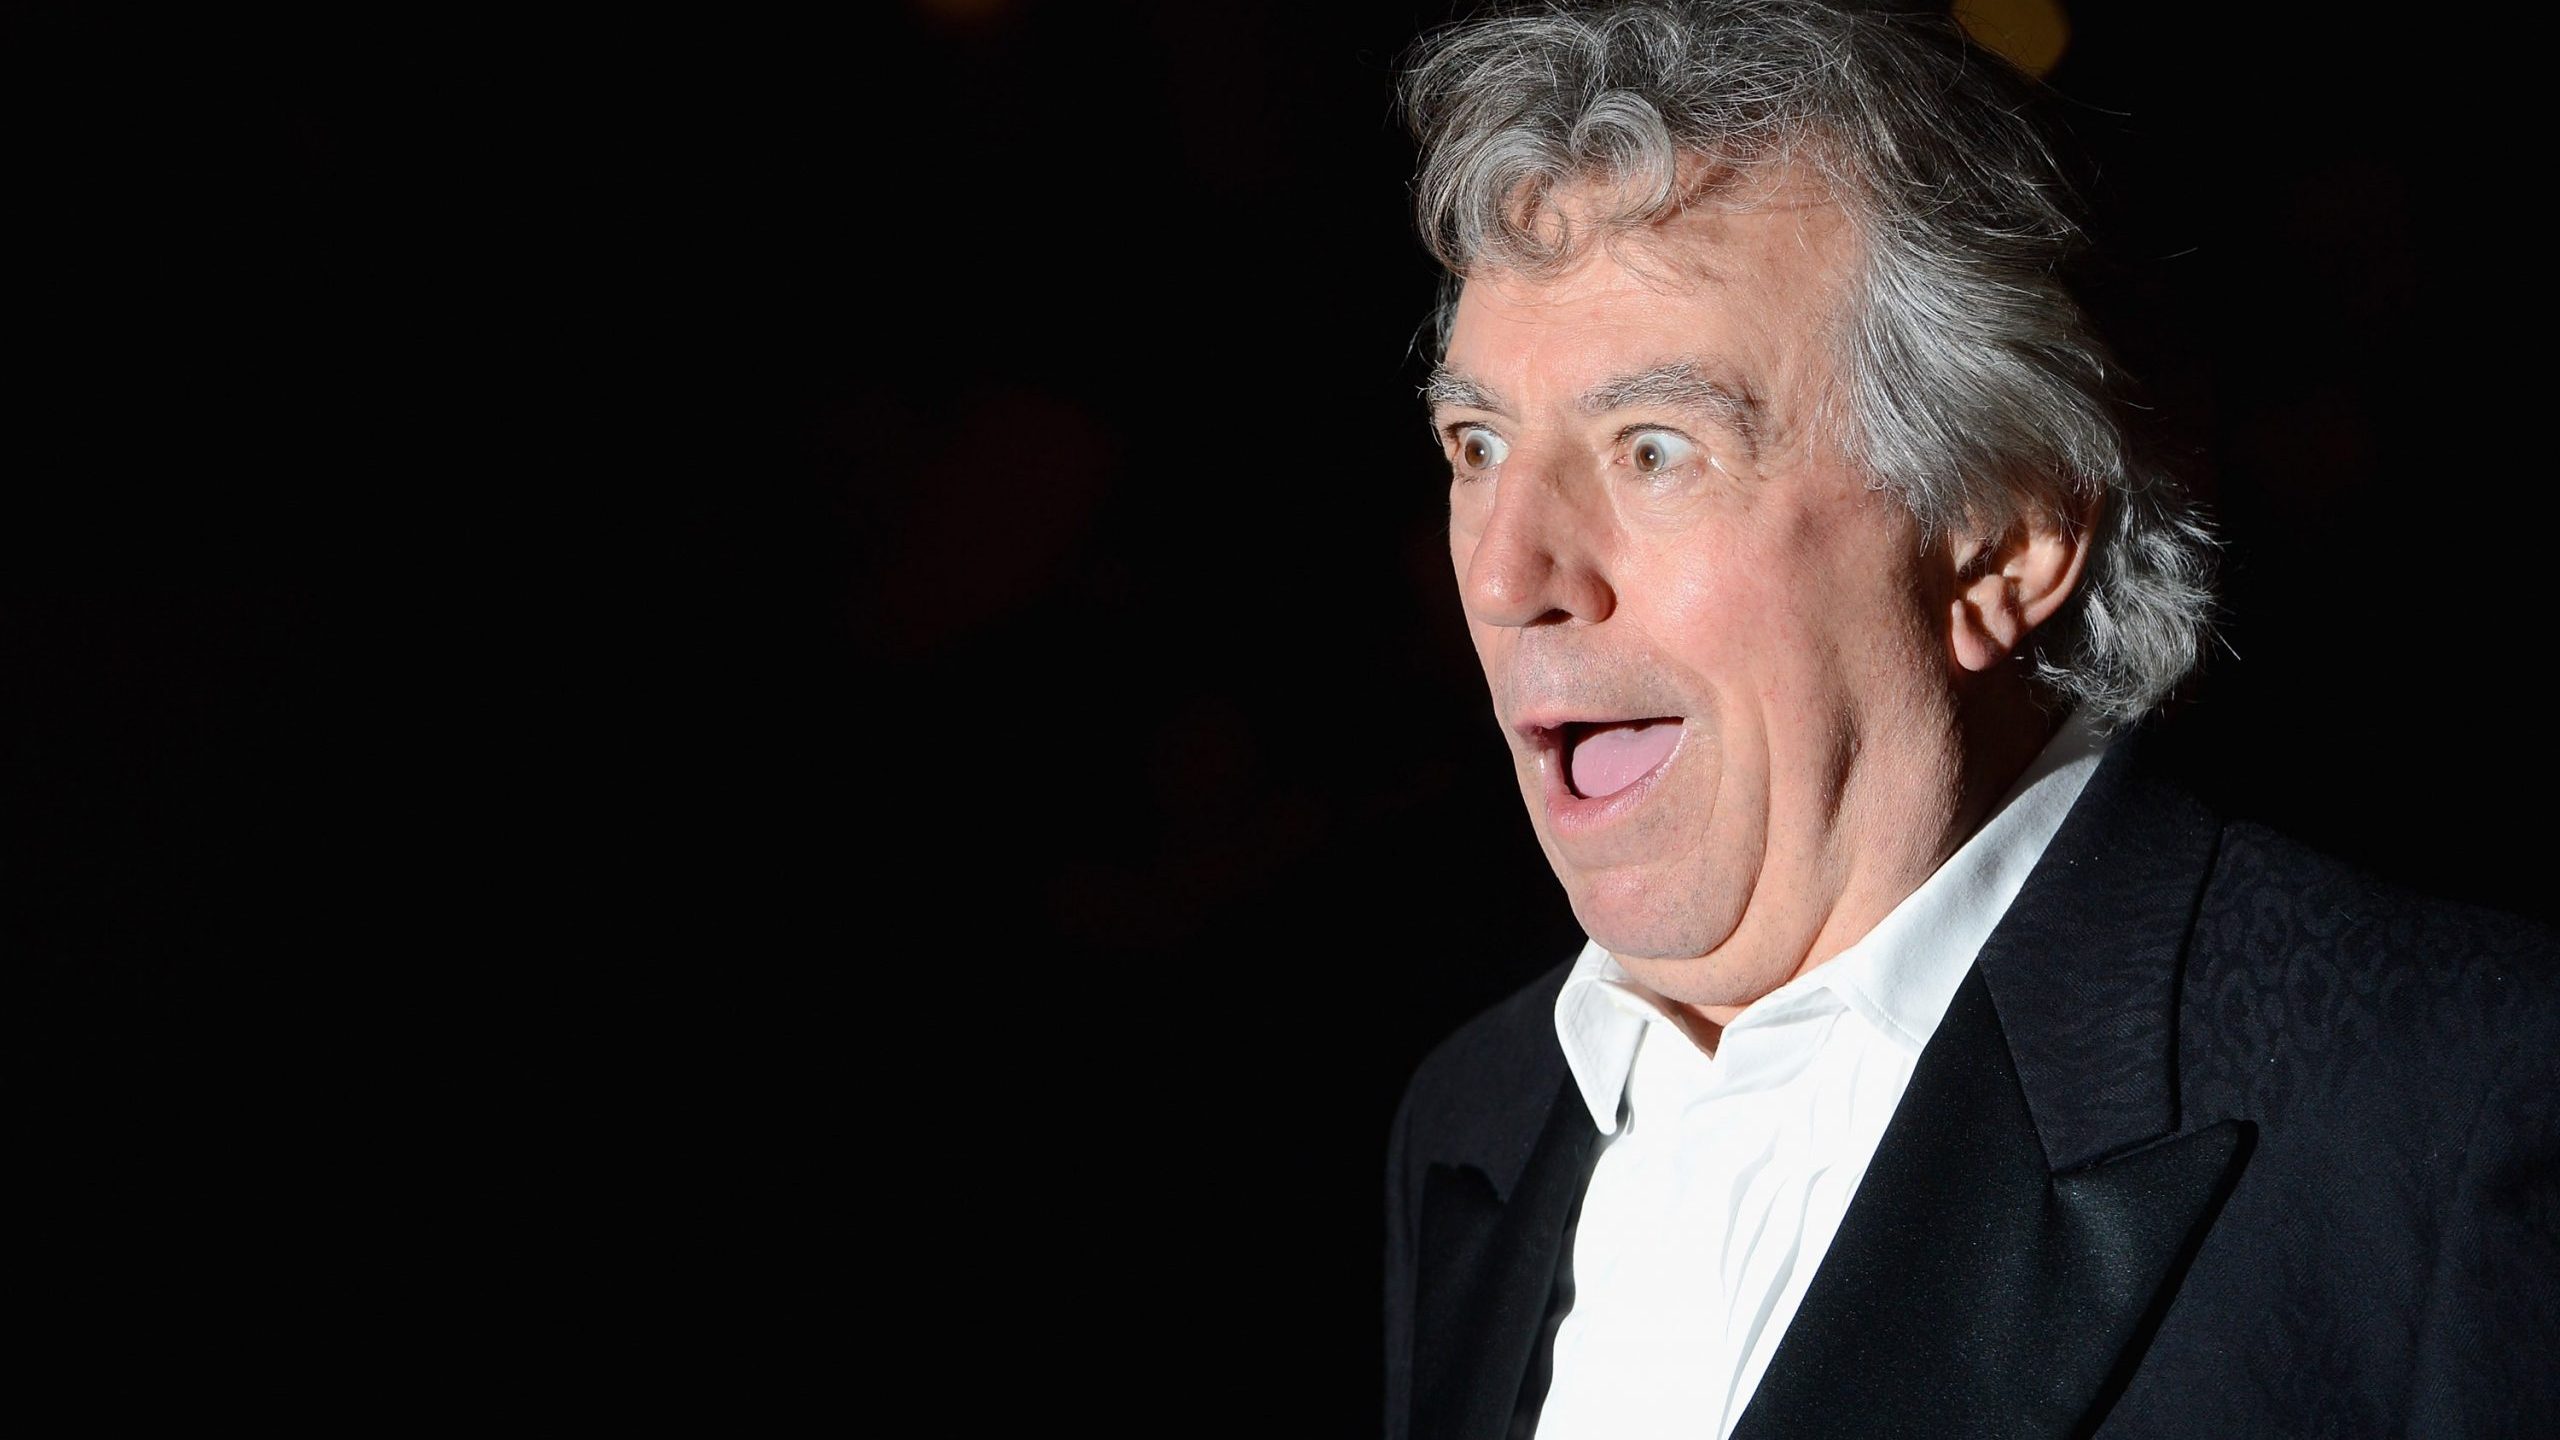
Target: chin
[
  {"x": 1630, "y": 922},
  {"x": 1713, "y": 981}
]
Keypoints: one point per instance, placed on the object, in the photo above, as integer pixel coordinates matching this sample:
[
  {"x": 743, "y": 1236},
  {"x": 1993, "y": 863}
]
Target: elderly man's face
[{"x": 1718, "y": 655}]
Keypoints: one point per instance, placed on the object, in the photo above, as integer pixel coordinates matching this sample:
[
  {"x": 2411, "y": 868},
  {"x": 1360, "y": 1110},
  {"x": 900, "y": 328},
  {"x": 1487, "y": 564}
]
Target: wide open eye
[
  {"x": 1654, "y": 452},
  {"x": 1480, "y": 449}
]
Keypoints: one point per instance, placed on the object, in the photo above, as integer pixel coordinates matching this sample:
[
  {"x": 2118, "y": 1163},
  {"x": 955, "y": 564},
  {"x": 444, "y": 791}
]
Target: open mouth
[{"x": 1603, "y": 758}]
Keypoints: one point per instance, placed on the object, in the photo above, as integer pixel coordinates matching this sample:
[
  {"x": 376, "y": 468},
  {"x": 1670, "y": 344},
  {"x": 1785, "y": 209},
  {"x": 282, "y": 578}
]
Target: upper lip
[
  {"x": 1548, "y": 737},
  {"x": 1549, "y": 729}
]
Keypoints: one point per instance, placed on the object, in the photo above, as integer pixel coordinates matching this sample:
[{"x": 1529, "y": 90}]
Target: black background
[{"x": 704, "y": 684}]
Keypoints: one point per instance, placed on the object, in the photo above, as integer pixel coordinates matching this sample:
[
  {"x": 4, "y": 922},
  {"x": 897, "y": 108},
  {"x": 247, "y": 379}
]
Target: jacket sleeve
[
  {"x": 1399, "y": 1277},
  {"x": 2488, "y": 1351}
]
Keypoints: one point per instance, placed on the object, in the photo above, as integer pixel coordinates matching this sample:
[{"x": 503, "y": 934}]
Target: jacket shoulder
[
  {"x": 1472, "y": 1088},
  {"x": 2309, "y": 973},
  {"x": 1478, "y": 1099},
  {"x": 2392, "y": 1057}
]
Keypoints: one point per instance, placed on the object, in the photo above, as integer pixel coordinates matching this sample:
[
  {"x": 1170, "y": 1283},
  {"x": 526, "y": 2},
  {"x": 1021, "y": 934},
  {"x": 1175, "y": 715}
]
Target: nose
[{"x": 1537, "y": 559}]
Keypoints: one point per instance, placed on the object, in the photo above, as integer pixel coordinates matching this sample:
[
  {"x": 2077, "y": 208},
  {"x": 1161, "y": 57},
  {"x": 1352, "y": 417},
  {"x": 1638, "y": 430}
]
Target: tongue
[{"x": 1609, "y": 758}]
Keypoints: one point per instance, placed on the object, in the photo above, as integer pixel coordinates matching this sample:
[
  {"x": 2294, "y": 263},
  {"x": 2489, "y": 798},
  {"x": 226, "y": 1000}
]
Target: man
[{"x": 1934, "y": 1067}]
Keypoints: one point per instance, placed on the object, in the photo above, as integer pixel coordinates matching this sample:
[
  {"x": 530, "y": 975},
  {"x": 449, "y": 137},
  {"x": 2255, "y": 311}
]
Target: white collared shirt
[{"x": 1721, "y": 1179}]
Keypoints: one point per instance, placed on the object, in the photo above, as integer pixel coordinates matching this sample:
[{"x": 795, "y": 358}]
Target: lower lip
[{"x": 1571, "y": 814}]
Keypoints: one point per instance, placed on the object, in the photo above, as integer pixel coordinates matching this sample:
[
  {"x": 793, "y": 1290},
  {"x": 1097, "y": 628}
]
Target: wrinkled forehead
[
  {"x": 1776, "y": 233},
  {"x": 1700, "y": 192}
]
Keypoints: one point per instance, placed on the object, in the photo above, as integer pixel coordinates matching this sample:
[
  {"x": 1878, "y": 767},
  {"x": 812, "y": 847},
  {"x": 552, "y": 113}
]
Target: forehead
[{"x": 1753, "y": 273}]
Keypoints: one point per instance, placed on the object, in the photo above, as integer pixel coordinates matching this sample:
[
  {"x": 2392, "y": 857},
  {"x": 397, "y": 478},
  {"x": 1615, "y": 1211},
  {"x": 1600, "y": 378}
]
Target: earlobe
[{"x": 2008, "y": 584}]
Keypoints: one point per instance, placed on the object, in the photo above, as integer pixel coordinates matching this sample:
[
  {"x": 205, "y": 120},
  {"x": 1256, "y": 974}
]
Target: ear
[{"x": 2007, "y": 584}]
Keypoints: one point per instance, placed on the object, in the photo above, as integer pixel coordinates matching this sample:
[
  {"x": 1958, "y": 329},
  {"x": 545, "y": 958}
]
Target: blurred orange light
[{"x": 2031, "y": 33}]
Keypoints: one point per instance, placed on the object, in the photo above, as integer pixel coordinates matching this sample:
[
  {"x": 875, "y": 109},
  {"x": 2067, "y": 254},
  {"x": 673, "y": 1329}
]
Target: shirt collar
[{"x": 1899, "y": 976}]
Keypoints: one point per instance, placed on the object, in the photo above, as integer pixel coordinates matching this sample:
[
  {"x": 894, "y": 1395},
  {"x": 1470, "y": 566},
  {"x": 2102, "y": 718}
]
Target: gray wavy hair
[{"x": 1977, "y": 389}]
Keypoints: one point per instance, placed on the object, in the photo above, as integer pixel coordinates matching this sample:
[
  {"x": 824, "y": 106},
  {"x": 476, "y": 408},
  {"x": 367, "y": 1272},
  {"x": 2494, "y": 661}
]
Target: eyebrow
[
  {"x": 1679, "y": 384},
  {"x": 1447, "y": 387}
]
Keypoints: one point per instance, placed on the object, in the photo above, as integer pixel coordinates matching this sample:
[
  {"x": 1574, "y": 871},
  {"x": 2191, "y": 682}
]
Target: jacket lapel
[
  {"x": 2032, "y": 1206},
  {"x": 1970, "y": 1291},
  {"x": 1488, "y": 1270}
]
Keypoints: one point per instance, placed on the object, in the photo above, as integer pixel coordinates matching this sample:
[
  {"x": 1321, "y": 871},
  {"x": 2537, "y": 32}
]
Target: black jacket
[{"x": 2218, "y": 1138}]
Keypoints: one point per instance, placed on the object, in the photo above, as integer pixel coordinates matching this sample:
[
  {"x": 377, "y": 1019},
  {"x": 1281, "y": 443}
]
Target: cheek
[
  {"x": 1788, "y": 638},
  {"x": 1865, "y": 596},
  {"x": 1723, "y": 613}
]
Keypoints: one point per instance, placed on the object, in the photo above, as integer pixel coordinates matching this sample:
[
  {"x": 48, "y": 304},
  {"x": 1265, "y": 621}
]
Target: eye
[
  {"x": 1480, "y": 449},
  {"x": 1656, "y": 451}
]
